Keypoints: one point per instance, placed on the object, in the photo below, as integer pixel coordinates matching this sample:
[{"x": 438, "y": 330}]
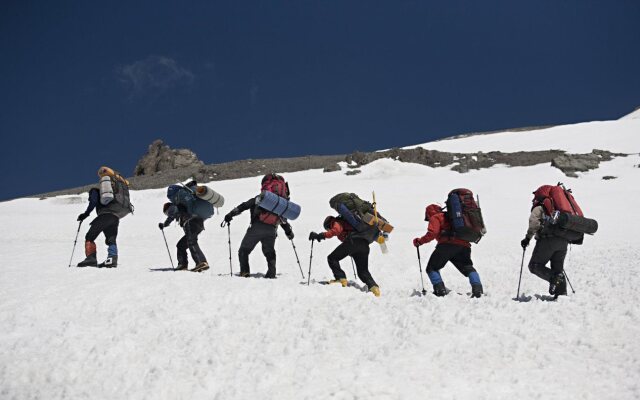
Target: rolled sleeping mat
[
  {"x": 577, "y": 223},
  {"x": 106, "y": 190},
  {"x": 210, "y": 195},
  {"x": 279, "y": 205}
]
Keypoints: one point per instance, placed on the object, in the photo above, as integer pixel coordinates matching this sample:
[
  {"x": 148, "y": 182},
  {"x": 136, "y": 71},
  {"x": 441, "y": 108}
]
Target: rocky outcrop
[
  {"x": 162, "y": 166},
  {"x": 160, "y": 157}
]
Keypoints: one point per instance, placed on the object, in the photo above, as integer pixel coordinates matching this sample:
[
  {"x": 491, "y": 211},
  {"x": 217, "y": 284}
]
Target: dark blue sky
[{"x": 88, "y": 83}]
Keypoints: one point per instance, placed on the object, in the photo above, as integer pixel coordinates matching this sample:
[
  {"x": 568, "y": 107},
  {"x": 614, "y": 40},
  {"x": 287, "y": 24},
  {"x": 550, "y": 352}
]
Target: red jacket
[
  {"x": 438, "y": 225},
  {"x": 338, "y": 228}
]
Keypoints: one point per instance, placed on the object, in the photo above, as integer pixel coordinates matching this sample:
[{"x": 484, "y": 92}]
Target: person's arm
[
  {"x": 287, "y": 228},
  {"x": 172, "y": 214},
  {"x": 535, "y": 221},
  {"x": 240, "y": 209},
  {"x": 432, "y": 231},
  {"x": 94, "y": 197}
]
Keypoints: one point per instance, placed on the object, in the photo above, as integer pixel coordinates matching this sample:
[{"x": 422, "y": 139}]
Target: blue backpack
[{"x": 181, "y": 195}]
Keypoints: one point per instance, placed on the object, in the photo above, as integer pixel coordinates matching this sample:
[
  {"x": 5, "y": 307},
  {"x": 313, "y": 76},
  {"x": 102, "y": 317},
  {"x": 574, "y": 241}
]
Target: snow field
[{"x": 143, "y": 332}]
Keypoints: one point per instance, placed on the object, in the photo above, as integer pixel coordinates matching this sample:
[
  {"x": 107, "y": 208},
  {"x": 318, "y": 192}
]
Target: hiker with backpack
[
  {"x": 111, "y": 202},
  {"x": 358, "y": 225},
  {"x": 352, "y": 246},
  {"x": 555, "y": 221},
  {"x": 190, "y": 205},
  {"x": 270, "y": 209},
  {"x": 454, "y": 231}
]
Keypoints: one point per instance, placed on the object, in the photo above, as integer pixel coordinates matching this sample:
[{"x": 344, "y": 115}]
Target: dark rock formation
[
  {"x": 161, "y": 157},
  {"x": 332, "y": 168},
  {"x": 609, "y": 177},
  {"x": 162, "y": 166}
]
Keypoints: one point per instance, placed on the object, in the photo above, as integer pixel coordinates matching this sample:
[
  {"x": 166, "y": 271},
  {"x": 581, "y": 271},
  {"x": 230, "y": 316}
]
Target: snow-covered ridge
[
  {"x": 621, "y": 136},
  {"x": 634, "y": 115}
]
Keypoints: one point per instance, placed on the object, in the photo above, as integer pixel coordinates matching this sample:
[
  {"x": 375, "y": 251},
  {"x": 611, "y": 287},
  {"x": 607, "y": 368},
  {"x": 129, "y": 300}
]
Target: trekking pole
[
  {"x": 520, "y": 279},
  {"x": 168, "y": 251},
  {"x": 297, "y": 259},
  {"x": 568, "y": 281},
  {"x": 310, "y": 258},
  {"x": 228, "y": 225},
  {"x": 74, "y": 244},
  {"x": 424, "y": 292},
  {"x": 354, "y": 269}
]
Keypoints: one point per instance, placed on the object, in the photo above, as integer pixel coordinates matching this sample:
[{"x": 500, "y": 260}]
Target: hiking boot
[
  {"x": 270, "y": 275},
  {"x": 476, "y": 291},
  {"x": 203, "y": 266},
  {"x": 375, "y": 290},
  {"x": 245, "y": 274},
  {"x": 344, "y": 282},
  {"x": 182, "y": 267},
  {"x": 110, "y": 262},
  {"x": 558, "y": 285},
  {"x": 90, "y": 261},
  {"x": 439, "y": 289}
]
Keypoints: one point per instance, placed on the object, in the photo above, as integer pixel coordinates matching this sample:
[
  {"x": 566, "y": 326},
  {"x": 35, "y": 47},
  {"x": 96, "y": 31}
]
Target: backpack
[
  {"x": 114, "y": 192},
  {"x": 353, "y": 203},
  {"x": 275, "y": 184},
  {"x": 563, "y": 216},
  {"x": 182, "y": 195},
  {"x": 465, "y": 216},
  {"x": 359, "y": 213}
]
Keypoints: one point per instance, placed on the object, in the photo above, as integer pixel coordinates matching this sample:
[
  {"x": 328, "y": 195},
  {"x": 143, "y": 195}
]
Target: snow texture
[
  {"x": 621, "y": 136},
  {"x": 142, "y": 331}
]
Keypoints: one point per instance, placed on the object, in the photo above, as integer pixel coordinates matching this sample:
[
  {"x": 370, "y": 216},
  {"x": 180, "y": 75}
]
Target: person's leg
[
  {"x": 360, "y": 256},
  {"x": 558, "y": 284},
  {"x": 339, "y": 253},
  {"x": 437, "y": 261},
  {"x": 541, "y": 255},
  {"x": 193, "y": 228},
  {"x": 90, "y": 250},
  {"x": 268, "y": 241},
  {"x": 249, "y": 242},
  {"x": 183, "y": 258},
  {"x": 110, "y": 236},
  {"x": 462, "y": 261}
]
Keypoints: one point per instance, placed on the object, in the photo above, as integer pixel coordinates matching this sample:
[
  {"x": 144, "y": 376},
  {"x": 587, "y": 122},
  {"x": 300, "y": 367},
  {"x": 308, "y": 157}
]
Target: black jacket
[{"x": 255, "y": 213}]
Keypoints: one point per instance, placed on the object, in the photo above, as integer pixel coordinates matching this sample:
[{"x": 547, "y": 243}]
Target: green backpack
[{"x": 354, "y": 203}]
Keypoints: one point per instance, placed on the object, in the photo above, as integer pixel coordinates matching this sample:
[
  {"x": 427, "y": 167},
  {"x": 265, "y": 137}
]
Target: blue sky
[{"x": 88, "y": 83}]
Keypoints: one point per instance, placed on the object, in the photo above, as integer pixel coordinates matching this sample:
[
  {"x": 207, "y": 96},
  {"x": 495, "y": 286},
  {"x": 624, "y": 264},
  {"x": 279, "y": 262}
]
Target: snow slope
[
  {"x": 633, "y": 115},
  {"x": 621, "y": 136},
  {"x": 142, "y": 331}
]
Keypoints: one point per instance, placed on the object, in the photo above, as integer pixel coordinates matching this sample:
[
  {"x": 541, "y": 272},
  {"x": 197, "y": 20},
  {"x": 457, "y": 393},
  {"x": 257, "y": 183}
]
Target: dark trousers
[
  {"x": 107, "y": 224},
  {"x": 259, "y": 233},
  {"x": 192, "y": 229},
  {"x": 547, "y": 249},
  {"x": 359, "y": 250},
  {"x": 460, "y": 257}
]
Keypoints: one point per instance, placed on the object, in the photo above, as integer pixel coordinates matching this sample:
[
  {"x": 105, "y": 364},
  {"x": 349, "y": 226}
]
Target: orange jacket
[
  {"x": 339, "y": 228},
  {"x": 438, "y": 225}
]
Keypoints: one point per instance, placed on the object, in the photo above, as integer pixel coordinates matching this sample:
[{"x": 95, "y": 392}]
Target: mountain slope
[{"x": 142, "y": 331}]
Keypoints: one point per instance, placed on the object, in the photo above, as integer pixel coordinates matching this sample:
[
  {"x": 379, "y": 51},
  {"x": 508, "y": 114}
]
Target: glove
[
  {"x": 161, "y": 225},
  {"x": 228, "y": 218},
  {"x": 82, "y": 217},
  {"x": 289, "y": 234},
  {"x": 416, "y": 242},
  {"x": 525, "y": 242},
  {"x": 316, "y": 236}
]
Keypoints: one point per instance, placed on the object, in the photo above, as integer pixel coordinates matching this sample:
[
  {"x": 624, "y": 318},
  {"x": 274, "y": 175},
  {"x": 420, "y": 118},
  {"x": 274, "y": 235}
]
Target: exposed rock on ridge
[{"x": 160, "y": 157}]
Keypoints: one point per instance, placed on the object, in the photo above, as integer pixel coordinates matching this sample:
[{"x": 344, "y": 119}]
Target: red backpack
[
  {"x": 465, "y": 216},
  {"x": 556, "y": 198},
  {"x": 273, "y": 183}
]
